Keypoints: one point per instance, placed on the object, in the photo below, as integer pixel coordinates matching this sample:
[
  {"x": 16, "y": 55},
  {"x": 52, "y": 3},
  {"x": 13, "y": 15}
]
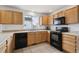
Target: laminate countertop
[
  {"x": 76, "y": 33},
  {"x": 6, "y": 35}
]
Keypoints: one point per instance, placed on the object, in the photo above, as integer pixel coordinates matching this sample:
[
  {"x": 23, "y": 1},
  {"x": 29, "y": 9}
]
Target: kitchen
[{"x": 23, "y": 29}]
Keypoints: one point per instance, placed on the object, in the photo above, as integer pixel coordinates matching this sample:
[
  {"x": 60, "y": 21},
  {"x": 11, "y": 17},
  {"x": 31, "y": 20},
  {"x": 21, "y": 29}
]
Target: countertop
[
  {"x": 6, "y": 35},
  {"x": 76, "y": 33}
]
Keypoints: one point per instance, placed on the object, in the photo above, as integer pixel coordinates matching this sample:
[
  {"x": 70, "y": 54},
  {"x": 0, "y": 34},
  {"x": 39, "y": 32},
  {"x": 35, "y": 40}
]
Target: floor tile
[
  {"x": 18, "y": 51},
  {"x": 39, "y": 48}
]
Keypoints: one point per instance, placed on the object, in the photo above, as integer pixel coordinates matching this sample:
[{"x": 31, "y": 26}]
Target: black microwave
[{"x": 59, "y": 21}]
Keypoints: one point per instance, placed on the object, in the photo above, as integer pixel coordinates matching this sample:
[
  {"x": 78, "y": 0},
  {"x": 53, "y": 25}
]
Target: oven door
[
  {"x": 56, "y": 40},
  {"x": 54, "y": 37}
]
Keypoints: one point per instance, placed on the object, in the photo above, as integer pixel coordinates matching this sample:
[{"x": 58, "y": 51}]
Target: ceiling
[{"x": 40, "y": 8}]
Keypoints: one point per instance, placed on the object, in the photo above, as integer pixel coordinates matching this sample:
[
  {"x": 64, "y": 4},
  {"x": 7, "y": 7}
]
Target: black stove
[{"x": 56, "y": 37}]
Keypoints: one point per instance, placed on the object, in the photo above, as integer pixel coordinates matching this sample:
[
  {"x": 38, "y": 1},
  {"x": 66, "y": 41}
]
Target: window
[
  {"x": 31, "y": 22},
  {"x": 28, "y": 22},
  {"x": 35, "y": 20}
]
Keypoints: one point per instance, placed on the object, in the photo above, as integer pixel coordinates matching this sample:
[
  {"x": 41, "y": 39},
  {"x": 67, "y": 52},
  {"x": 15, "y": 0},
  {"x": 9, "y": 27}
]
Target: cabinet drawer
[
  {"x": 68, "y": 48},
  {"x": 69, "y": 36},
  {"x": 72, "y": 40},
  {"x": 69, "y": 43}
]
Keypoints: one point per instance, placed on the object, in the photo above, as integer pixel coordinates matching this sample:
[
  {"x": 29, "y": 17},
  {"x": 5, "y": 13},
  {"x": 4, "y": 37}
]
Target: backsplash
[
  {"x": 17, "y": 27},
  {"x": 10, "y": 27},
  {"x": 72, "y": 27},
  {"x": 0, "y": 27},
  {"x": 53, "y": 27}
]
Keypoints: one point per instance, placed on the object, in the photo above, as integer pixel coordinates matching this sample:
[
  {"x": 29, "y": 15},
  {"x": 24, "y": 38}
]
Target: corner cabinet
[
  {"x": 10, "y": 17},
  {"x": 44, "y": 36},
  {"x": 61, "y": 14},
  {"x": 45, "y": 20},
  {"x": 55, "y": 15},
  {"x": 71, "y": 15},
  {"x": 50, "y": 21}
]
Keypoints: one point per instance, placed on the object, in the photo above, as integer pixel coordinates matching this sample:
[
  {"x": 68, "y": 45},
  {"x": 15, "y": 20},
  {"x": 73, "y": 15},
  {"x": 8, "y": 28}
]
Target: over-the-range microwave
[{"x": 59, "y": 21}]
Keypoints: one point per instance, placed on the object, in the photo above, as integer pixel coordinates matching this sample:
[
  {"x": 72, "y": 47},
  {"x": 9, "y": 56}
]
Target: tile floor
[{"x": 39, "y": 48}]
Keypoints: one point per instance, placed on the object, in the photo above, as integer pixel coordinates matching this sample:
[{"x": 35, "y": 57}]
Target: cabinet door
[
  {"x": 50, "y": 20},
  {"x": 3, "y": 47},
  {"x": 48, "y": 35},
  {"x": 38, "y": 37},
  {"x": 71, "y": 15},
  {"x": 55, "y": 15},
  {"x": 31, "y": 38},
  {"x": 61, "y": 14},
  {"x": 68, "y": 47},
  {"x": 44, "y": 36},
  {"x": 10, "y": 45},
  {"x": 17, "y": 18},
  {"x": 6, "y": 17},
  {"x": 68, "y": 43},
  {"x": 45, "y": 20}
]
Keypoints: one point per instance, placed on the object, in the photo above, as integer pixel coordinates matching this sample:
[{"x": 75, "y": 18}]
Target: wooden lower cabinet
[
  {"x": 44, "y": 36},
  {"x": 36, "y": 37},
  {"x": 69, "y": 47},
  {"x": 69, "y": 43},
  {"x": 31, "y": 38},
  {"x": 48, "y": 35},
  {"x": 10, "y": 45},
  {"x": 3, "y": 47}
]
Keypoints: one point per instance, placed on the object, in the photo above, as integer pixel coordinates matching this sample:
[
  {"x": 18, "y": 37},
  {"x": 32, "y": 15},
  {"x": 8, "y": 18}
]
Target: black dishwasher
[{"x": 20, "y": 40}]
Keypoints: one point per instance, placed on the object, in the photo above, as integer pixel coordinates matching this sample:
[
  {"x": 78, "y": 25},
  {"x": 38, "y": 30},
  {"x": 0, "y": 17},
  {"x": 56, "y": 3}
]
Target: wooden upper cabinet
[
  {"x": 50, "y": 20},
  {"x": 18, "y": 18},
  {"x": 45, "y": 20},
  {"x": 71, "y": 15},
  {"x": 61, "y": 14},
  {"x": 55, "y": 15},
  {"x": 10, "y": 17},
  {"x": 6, "y": 17}
]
